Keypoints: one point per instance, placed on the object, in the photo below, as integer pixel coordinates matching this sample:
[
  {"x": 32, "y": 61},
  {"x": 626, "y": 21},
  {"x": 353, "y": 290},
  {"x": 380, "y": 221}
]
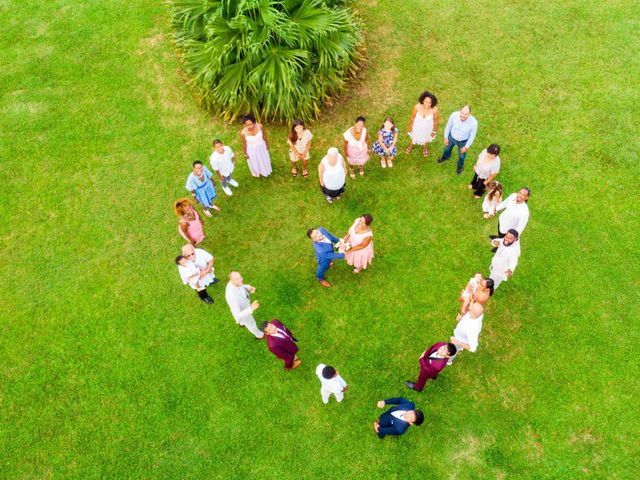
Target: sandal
[
  {"x": 305, "y": 173},
  {"x": 390, "y": 163},
  {"x": 425, "y": 152},
  {"x": 383, "y": 164},
  {"x": 352, "y": 174},
  {"x": 409, "y": 150},
  {"x": 361, "y": 171},
  {"x": 294, "y": 172}
]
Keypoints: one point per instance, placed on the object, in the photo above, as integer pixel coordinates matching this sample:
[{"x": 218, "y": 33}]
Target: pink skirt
[
  {"x": 355, "y": 156},
  {"x": 360, "y": 258}
]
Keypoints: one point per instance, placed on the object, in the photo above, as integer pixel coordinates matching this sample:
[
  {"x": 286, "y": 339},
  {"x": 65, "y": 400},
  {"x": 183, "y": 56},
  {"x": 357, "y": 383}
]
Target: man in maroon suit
[
  {"x": 432, "y": 362},
  {"x": 281, "y": 342}
]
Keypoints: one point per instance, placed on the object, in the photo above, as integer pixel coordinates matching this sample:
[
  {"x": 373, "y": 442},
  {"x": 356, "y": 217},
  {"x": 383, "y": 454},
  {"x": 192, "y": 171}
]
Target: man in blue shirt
[
  {"x": 460, "y": 131},
  {"x": 323, "y": 244}
]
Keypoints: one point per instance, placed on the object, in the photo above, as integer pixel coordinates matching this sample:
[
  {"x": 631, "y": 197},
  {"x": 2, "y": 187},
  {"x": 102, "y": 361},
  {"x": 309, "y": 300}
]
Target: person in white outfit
[
  {"x": 223, "y": 162},
  {"x": 505, "y": 260},
  {"x": 467, "y": 332},
  {"x": 332, "y": 383},
  {"x": 237, "y": 296},
  {"x": 516, "y": 212},
  {"x": 332, "y": 173}
]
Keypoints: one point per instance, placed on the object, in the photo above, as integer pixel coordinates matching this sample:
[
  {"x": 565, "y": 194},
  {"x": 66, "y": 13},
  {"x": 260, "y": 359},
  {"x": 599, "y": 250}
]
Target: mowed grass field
[{"x": 110, "y": 368}]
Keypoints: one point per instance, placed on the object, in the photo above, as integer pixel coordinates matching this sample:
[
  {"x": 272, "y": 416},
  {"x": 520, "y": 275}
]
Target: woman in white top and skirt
[
  {"x": 332, "y": 173},
  {"x": 255, "y": 146},
  {"x": 485, "y": 169},
  {"x": 467, "y": 332},
  {"x": 423, "y": 123}
]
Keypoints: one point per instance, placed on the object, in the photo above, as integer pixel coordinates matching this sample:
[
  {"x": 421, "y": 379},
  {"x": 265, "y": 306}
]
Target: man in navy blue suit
[
  {"x": 398, "y": 419},
  {"x": 323, "y": 243}
]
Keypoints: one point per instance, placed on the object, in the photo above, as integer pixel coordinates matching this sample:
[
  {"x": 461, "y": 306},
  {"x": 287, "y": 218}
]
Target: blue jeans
[
  {"x": 325, "y": 263},
  {"x": 449, "y": 149}
]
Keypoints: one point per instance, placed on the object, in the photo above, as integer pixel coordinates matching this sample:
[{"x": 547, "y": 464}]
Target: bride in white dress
[{"x": 423, "y": 123}]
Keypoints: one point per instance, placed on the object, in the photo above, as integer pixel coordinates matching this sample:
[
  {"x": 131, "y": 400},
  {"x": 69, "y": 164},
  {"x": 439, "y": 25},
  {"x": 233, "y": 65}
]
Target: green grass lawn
[{"x": 110, "y": 368}]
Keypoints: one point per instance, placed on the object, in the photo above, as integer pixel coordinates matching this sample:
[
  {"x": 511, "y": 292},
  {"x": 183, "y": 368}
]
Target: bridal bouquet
[{"x": 343, "y": 246}]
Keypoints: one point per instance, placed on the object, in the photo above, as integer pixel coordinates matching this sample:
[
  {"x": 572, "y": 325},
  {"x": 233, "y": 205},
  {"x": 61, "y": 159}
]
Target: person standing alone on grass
[
  {"x": 299, "y": 141},
  {"x": 397, "y": 420},
  {"x": 237, "y": 296},
  {"x": 256, "y": 147},
  {"x": 460, "y": 132},
  {"x": 200, "y": 184},
  {"x": 423, "y": 123},
  {"x": 222, "y": 161},
  {"x": 332, "y": 383},
  {"x": 281, "y": 343}
]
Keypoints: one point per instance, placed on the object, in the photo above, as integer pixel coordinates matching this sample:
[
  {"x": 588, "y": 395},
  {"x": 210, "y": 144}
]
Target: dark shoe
[
  {"x": 441, "y": 159},
  {"x": 494, "y": 249},
  {"x": 493, "y": 237},
  {"x": 324, "y": 283},
  {"x": 410, "y": 385},
  {"x": 459, "y": 171},
  {"x": 207, "y": 300},
  {"x": 215, "y": 280}
]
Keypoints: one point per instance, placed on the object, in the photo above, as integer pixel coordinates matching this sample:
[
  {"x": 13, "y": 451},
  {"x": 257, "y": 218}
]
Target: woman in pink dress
[
  {"x": 256, "y": 147},
  {"x": 360, "y": 237},
  {"x": 356, "y": 146},
  {"x": 190, "y": 226}
]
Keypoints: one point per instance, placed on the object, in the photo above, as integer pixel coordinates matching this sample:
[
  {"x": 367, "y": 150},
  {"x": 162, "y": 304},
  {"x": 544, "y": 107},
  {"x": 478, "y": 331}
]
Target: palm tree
[{"x": 279, "y": 59}]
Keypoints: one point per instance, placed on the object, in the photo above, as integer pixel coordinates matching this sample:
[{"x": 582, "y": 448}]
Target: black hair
[
  {"x": 528, "y": 192},
  {"x": 309, "y": 232},
  {"x": 249, "y": 117},
  {"x": 263, "y": 325},
  {"x": 197, "y": 162},
  {"x": 328, "y": 372},
  {"x": 514, "y": 232},
  {"x": 367, "y": 218},
  {"x": 425, "y": 94},
  {"x": 490, "y": 283},
  {"x": 217, "y": 141},
  {"x": 419, "y": 418},
  {"x": 360, "y": 119},
  {"x": 452, "y": 349},
  {"x": 178, "y": 258},
  {"x": 493, "y": 149}
]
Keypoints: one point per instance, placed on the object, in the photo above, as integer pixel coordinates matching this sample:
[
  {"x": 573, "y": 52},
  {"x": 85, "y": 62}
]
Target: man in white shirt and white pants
[
  {"x": 237, "y": 296},
  {"x": 222, "y": 162},
  {"x": 516, "y": 212},
  {"x": 506, "y": 258},
  {"x": 332, "y": 383}
]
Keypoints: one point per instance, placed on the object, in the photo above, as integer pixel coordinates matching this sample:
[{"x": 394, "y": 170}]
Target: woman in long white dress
[
  {"x": 423, "y": 123},
  {"x": 256, "y": 147}
]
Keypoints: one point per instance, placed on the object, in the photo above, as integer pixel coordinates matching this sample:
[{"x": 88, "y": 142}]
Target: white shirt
[
  {"x": 468, "y": 330},
  {"x": 187, "y": 273},
  {"x": 222, "y": 161},
  {"x": 399, "y": 414},
  {"x": 485, "y": 168},
  {"x": 333, "y": 177},
  {"x": 333, "y": 385},
  {"x": 506, "y": 258},
  {"x": 515, "y": 215},
  {"x": 202, "y": 258}
]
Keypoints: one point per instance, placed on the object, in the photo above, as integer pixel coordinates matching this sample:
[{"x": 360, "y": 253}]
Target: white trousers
[
  {"x": 250, "y": 323},
  {"x": 326, "y": 394}
]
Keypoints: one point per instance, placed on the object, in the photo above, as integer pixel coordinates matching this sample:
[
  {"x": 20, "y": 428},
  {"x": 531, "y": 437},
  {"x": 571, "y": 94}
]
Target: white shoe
[
  {"x": 329, "y": 199},
  {"x": 227, "y": 190},
  {"x": 208, "y": 213},
  {"x": 233, "y": 183}
]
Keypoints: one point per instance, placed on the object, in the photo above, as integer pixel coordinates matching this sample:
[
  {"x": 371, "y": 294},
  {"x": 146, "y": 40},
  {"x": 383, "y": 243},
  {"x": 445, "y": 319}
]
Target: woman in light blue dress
[{"x": 201, "y": 187}]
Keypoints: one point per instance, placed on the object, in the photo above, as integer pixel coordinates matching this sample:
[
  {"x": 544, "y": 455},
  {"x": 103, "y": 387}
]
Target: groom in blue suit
[
  {"x": 323, "y": 243},
  {"x": 398, "y": 419}
]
